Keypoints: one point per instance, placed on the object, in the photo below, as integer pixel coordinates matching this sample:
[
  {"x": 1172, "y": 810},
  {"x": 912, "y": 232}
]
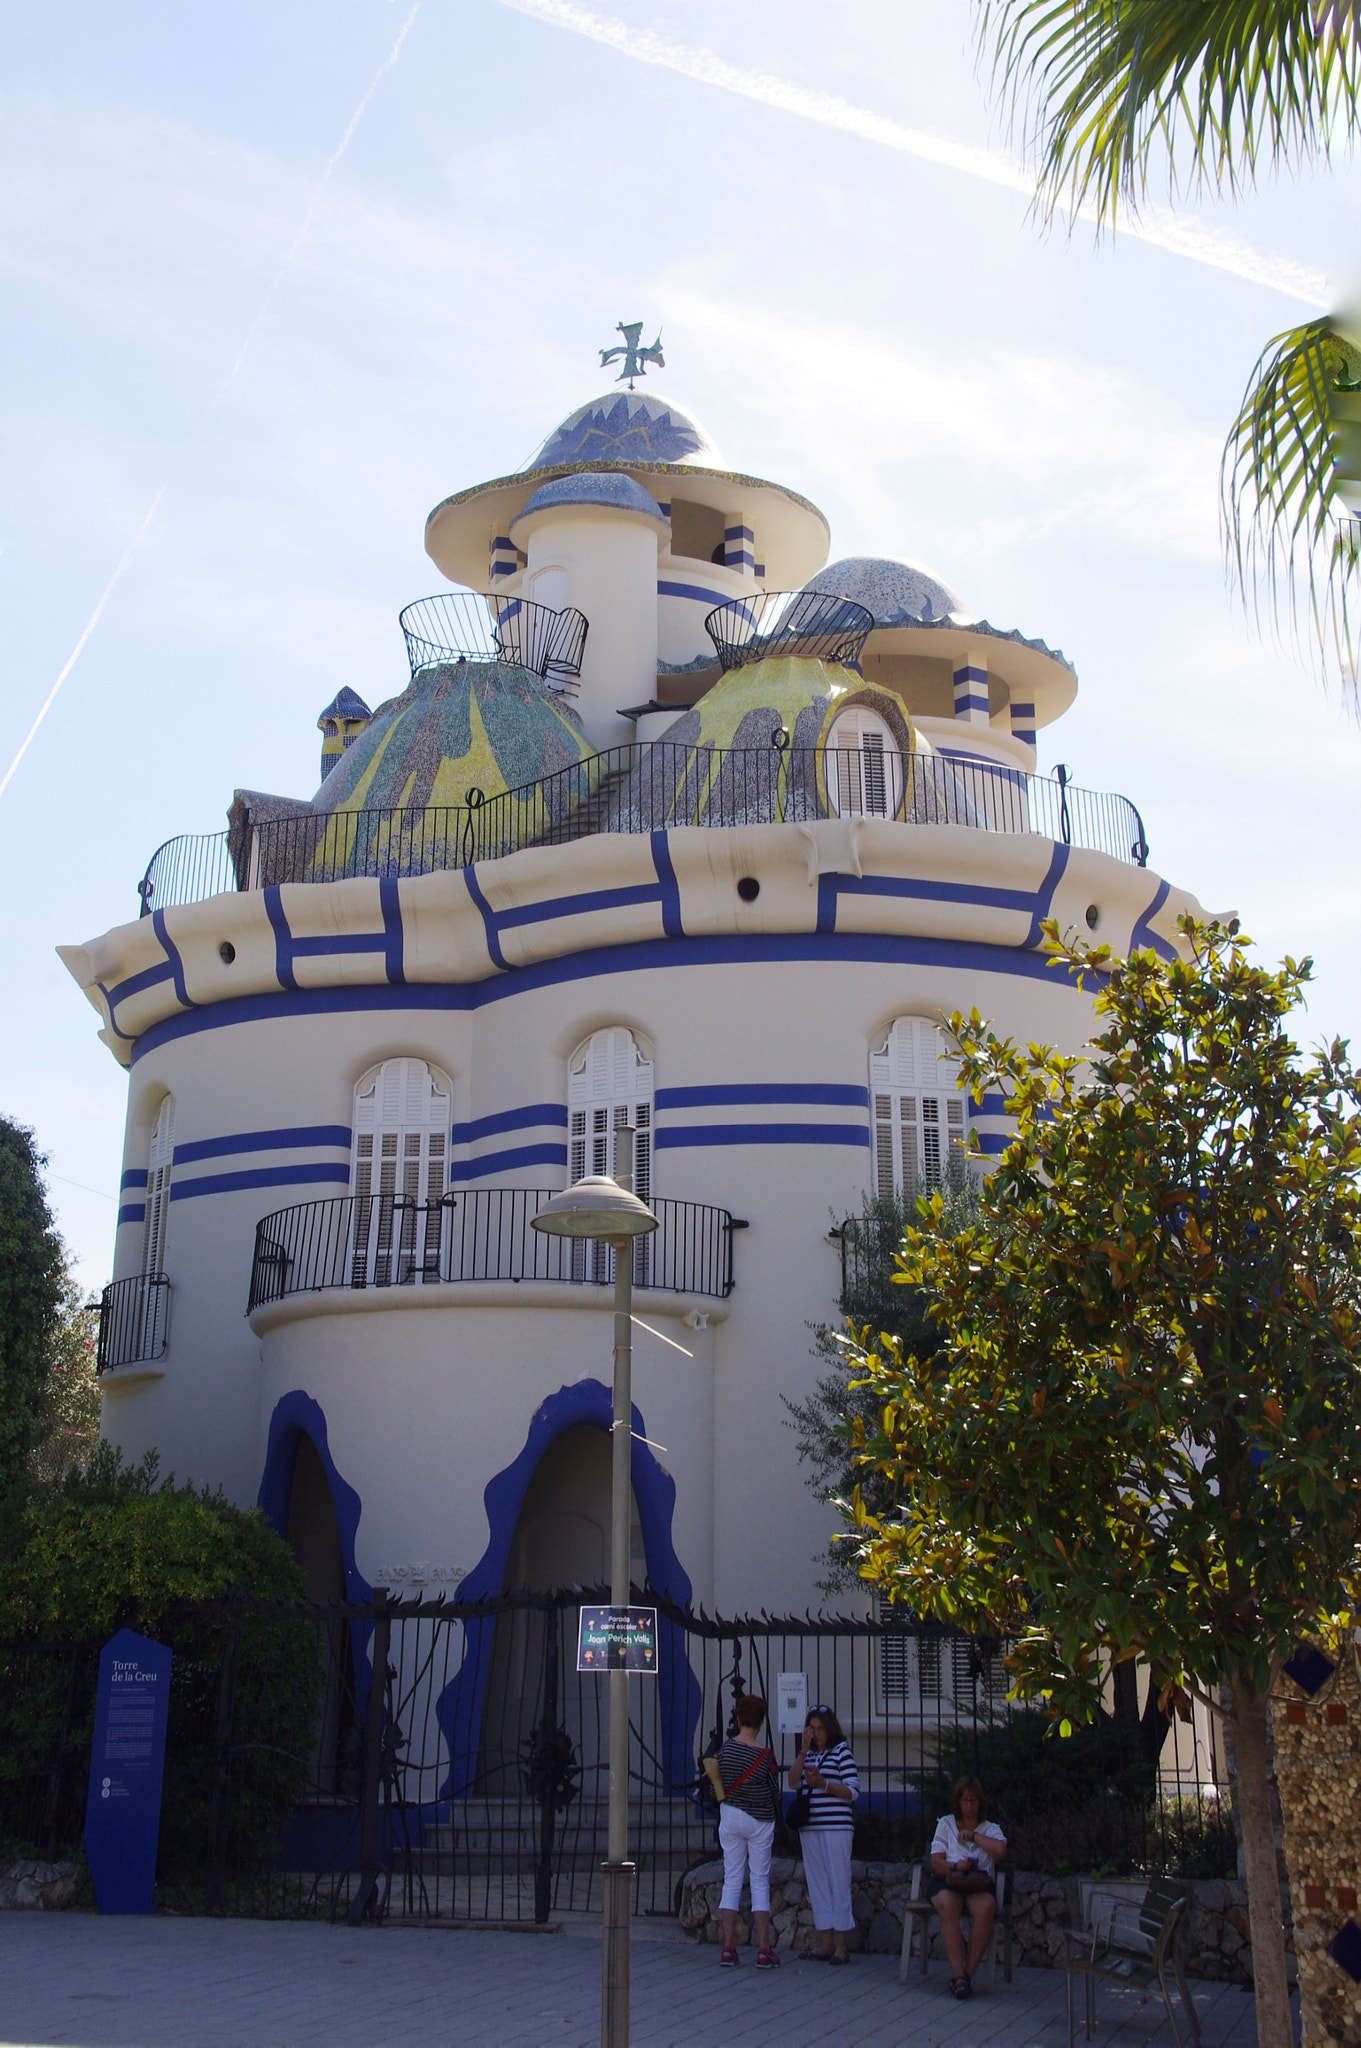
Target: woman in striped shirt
[{"x": 825, "y": 1764}]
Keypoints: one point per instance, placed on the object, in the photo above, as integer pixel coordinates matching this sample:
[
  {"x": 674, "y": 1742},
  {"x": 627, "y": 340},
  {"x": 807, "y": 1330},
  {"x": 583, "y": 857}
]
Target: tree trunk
[{"x": 1264, "y": 1885}]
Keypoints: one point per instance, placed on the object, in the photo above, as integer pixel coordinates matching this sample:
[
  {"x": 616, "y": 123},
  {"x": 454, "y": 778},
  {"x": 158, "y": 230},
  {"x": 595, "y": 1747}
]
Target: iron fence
[
  {"x": 134, "y": 1321},
  {"x": 805, "y": 625},
  {"x": 642, "y": 788},
  {"x": 470, "y": 1781},
  {"x": 460, "y": 625},
  {"x": 477, "y": 1234}
]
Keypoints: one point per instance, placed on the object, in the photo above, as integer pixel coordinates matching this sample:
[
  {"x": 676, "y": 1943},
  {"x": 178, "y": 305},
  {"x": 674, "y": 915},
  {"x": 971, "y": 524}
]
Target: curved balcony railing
[
  {"x": 361, "y": 1241},
  {"x": 134, "y": 1321},
  {"x": 460, "y": 625},
  {"x": 773, "y": 625},
  {"x": 642, "y": 788}
]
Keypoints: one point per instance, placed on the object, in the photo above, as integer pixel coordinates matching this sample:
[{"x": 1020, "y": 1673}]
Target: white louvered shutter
[
  {"x": 609, "y": 1087},
  {"x": 918, "y": 1110},
  {"x": 865, "y": 772},
  {"x": 158, "y": 1189},
  {"x": 401, "y": 1152}
]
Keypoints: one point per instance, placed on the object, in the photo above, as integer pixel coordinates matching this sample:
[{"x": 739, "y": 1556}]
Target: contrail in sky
[
  {"x": 288, "y": 256},
  {"x": 1182, "y": 234}
]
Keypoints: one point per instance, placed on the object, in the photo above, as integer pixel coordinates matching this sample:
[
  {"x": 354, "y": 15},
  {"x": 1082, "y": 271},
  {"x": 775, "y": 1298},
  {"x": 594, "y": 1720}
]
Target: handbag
[
  {"x": 799, "y": 1811},
  {"x": 968, "y": 1881}
]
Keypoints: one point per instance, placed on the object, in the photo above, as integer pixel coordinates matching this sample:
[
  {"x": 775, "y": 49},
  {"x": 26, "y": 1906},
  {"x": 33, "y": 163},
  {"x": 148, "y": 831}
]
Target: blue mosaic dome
[
  {"x": 898, "y": 593},
  {"x": 627, "y": 426},
  {"x": 596, "y": 487}
]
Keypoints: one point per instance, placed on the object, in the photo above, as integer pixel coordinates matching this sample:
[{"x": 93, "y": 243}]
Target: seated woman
[{"x": 964, "y": 1850}]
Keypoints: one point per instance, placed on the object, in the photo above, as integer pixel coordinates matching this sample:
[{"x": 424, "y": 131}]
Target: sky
[{"x": 277, "y": 278}]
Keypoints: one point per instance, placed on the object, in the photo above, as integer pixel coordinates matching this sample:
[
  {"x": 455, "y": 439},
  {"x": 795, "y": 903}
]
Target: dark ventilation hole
[
  {"x": 749, "y": 888},
  {"x": 226, "y": 952},
  {"x": 1093, "y": 917}
]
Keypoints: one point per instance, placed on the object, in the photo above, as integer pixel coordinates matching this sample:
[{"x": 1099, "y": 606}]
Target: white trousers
[
  {"x": 826, "y": 1854},
  {"x": 744, "y": 1842}
]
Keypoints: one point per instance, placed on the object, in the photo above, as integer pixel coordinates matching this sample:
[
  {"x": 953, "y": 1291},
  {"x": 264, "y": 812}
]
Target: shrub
[{"x": 112, "y": 1546}]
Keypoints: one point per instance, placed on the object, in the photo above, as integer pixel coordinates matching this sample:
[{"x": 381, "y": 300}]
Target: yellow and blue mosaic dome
[{"x": 462, "y": 725}]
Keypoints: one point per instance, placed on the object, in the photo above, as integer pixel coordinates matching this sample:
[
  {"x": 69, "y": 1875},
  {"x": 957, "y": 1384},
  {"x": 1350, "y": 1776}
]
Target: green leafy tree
[
  {"x": 32, "y": 1277},
  {"x": 1147, "y": 1444},
  {"x": 1112, "y": 97},
  {"x": 67, "y": 1420}
]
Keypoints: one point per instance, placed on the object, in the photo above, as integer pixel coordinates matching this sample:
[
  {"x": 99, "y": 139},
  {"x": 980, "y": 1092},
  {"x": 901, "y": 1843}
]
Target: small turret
[{"x": 340, "y": 725}]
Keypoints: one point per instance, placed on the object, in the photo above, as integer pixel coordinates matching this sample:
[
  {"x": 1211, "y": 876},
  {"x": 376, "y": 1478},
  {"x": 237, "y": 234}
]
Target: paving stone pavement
[{"x": 73, "y": 1980}]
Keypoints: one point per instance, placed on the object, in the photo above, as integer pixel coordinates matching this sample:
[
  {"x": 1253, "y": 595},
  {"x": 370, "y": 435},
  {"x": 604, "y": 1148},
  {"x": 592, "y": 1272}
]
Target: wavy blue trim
[
  {"x": 674, "y": 1138},
  {"x": 295, "y": 1416},
  {"x": 487, "y": 914},
  {"x": 172, "y": 954},
  {"x": 135, "y": 983},
  {"x": 709, "y": 597},
  {"x": 828, "y": 1092},
  {"x": 1144, "y": 934},
  {"x": 389, "y": 898},
  {"x": 1044, "y": 895},
  {"x": 285, "y": 1140},
  {"x": 258, "y": 1177},
  {"x": 574, "y": 906},
  {"x": 283, "y": 937},
  {"x": 459, "y": 1709},
  {"x": 673, "y": 922},
  {"x": 463, "y": 1170},
  {"x": 739, "y": 949},
  {"x": 531, "y": 1116}
]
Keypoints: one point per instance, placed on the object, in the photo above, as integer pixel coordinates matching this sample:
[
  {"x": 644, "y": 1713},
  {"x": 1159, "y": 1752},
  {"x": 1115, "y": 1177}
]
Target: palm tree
[{"x": 1110, "y": 96}]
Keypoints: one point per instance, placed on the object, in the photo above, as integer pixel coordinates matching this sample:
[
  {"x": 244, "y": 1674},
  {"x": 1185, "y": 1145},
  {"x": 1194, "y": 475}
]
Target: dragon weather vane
[{"x": 635, "y": 359}]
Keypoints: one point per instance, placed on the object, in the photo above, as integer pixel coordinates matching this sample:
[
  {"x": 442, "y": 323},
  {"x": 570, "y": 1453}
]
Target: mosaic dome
[
  {"x": 628, "y": 426},
  {"x": 460, "y": 726},
  {"x": 898, "y": 593},
  {"x": 610, "y": 488}
]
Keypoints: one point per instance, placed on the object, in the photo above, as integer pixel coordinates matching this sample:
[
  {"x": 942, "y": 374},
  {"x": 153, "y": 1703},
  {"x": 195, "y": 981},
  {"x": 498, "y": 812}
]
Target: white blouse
[{"x": 945, "y": 1842}]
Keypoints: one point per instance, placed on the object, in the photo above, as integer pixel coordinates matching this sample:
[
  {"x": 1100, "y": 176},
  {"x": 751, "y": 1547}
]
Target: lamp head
[{"x": 595, "y": 1206}]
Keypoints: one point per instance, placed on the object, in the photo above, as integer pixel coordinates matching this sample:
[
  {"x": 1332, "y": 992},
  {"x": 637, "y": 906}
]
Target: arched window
[
  {"x": 864, "y": 765},
  {"x": 918, "y": 1110},
  {"x": 158, "y": 1189},
  {"x": 401, "y": 1152},
  {"x": 609, "y": 1086}
]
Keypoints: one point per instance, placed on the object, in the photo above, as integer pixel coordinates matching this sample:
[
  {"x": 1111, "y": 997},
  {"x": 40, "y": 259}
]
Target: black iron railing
[
  {"x": 134, "y": 1321},
  {"x": 641, "y": 788},
  {"x": 773, "y": 625},
  {"x": 477, "y": 1234},
  {"x": 460, "y": 625}
]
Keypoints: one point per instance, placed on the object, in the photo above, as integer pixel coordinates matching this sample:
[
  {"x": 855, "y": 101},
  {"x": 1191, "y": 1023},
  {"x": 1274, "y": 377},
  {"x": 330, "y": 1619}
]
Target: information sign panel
[
  {"x": 123, "y": 1811},
  {"x": 791, "y": 1702},
  {"x": 617, "y": 1639}
]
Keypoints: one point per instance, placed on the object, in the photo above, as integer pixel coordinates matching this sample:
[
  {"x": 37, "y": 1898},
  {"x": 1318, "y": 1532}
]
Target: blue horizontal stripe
[
  {"x": 738, "y": 533},
  {"x": 691, "y": 590},
  {"x": 970, "y": 672},
  {"x": 526, "y": 1119},
  {"x": 991, "y": 1105},
  {"x": 264, "y": 1141},
  {"x": 132, "y": 1212},
  {"x": 829, "y": 1092},
  {"x": 134, "y": 1177},
  {"x": 258, "y": 1177},
  {"x": 507, "y": 1161},
  {"x": 573, "y": 906},
  {"x": 342, "y": 942},
  {"x": 760, "y": 948},
  {"x": 969, "y": 704},
  {"x": 991, "y": 1143},
  {"x": 686, "y": 1135}
]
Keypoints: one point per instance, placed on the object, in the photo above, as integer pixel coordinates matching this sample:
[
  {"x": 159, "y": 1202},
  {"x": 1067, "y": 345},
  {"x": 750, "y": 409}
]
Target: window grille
[
  {"x": 919, "y": 1119},
  {"x": 401, "y": 1153},
  {"x": 865, "y": 766},
  {"x": 609, "y": 1089},
  {"x": 953, "y": 1676},
  {"x": 158, "y": 1189}
]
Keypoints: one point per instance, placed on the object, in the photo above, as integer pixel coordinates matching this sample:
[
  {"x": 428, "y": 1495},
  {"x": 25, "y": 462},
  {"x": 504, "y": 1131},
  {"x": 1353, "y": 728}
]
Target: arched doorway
[{"x": 561, "y": 1544}]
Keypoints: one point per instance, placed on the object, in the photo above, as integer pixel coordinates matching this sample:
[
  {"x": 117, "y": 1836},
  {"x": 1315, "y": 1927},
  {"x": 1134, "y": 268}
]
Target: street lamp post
[{"x": 600, "y": 1208}]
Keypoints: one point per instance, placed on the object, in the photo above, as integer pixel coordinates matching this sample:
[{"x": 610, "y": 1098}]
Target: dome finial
[{"x": 635, "y": 359}]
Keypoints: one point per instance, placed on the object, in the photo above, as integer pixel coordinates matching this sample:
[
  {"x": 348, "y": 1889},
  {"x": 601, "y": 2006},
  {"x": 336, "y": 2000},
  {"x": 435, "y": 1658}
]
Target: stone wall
[
  {"x": 37, "y": 1885},
  {"x": 1215, "y": 1946},
  {"x": 1318, "y": 1770}
]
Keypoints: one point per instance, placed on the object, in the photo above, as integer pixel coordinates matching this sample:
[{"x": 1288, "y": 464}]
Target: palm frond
[
  {"x": 1107, "y": 94},
  {"x": 1289, "y": 483}
]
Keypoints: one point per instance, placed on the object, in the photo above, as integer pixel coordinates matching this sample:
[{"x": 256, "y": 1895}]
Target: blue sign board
[{"x": 123, "y": 1811}]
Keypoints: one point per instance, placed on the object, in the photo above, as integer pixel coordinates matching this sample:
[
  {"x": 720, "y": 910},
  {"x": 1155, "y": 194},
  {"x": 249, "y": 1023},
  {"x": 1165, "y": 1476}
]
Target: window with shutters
[
  {"x": 609, "y": 1089},
  {"x": 158, "y": 1189},
  {"x": 919, "y": 1115},
  {"x": 934, "y": 1673},
  {"x": 398, "y": 1174},
  {"x": 864, "y": 766}
]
